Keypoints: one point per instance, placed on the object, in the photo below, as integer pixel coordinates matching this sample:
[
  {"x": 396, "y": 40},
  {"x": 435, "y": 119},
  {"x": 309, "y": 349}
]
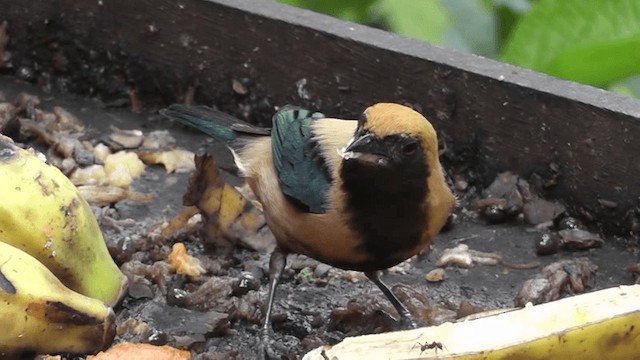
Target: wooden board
[{"x": 500, "y": 116}]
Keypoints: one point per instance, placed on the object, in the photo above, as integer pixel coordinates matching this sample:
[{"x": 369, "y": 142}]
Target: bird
[{"x": 359, "y": 195}]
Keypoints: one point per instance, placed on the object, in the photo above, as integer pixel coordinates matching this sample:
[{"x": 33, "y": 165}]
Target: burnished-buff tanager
[{"x": 359, "y": 195}]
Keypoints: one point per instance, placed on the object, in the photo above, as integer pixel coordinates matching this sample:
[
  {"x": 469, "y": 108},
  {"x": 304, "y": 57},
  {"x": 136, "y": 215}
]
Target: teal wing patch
[
  {"x": 303, "y": 176},
  {"x": 212, "y": 122}
]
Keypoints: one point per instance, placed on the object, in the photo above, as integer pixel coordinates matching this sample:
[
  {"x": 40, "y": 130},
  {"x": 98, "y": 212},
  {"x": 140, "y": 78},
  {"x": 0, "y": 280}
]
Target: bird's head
[
  {"x": 390, "y": 171},
  {"x": 392, "y": 136}
]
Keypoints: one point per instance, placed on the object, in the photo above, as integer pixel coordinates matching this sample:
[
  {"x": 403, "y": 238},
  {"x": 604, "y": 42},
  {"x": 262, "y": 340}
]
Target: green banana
[
  {"x": 40, "y": 315},
  {"x": 42, "y": 213},
  {"x": 598, "y": 325}
]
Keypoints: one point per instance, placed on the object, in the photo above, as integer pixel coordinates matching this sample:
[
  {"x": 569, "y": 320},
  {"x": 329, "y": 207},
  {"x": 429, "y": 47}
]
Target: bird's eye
[{"x": 410, "y": 149}]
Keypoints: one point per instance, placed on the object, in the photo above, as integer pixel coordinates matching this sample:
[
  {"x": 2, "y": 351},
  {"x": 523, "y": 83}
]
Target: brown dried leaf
[
  {"x": 182, "y": 224},
  {"x": 228, "y": 216}
]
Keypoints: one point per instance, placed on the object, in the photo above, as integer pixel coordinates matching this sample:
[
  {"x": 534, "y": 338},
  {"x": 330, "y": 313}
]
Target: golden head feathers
[{"x": 384, "y": 119}]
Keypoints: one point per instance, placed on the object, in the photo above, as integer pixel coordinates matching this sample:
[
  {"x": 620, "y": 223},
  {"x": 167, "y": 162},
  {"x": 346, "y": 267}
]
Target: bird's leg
[
  {"x": 277, "y": 263},
  {"x": 405, "y": 315}
]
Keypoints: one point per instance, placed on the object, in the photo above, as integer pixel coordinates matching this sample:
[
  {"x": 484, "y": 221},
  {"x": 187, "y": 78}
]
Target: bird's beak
[{"x": 366, "y": 148}]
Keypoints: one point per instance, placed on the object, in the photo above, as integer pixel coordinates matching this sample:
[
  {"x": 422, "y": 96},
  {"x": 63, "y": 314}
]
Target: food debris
[
  {"x": 157, "y": 147},
  {"x": 578, "y": 239},
  {"x": 107, "y": 195},
  {"x": 538, "y": 210},
  {"x": 107, "y": 184},
  {"x": 569, "y": 235},
  {"x": 122, "y": 167},
  {"x": 462, "y": 256},
  {"x": 175, "y": 160},
  {"x": 362, "y": 317},
  {"x": 435, "y": 275},
  {"x": 139, "y": 351},
  {"x": 63, "y": 142},
  {"x": 101, "y": 151},
  {"x": 547, "y": 244},
  {"x": 635, "y": 270},
  {"x": 353, "y": 276},
  {"x": 424, "y": 310},
  {"x": 65, "y": 121},
  {"x": 566, "y": 276},
  {"x": 160, "y": 323},
  {"x": 125, "y": 139},
  {"x": 90, "y": 175},
  {"x": 158, "y": 140},
  {"x": 510, "y": 196},
  {"x": 468, "y": 310},
  {"x": 185, "y": 263},
  {"x": 186, "y": 222},
  {"x": 501, "y": 201}
]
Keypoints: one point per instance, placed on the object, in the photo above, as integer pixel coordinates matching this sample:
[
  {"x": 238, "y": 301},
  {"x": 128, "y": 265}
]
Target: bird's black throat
[{"x": 387, "y": 207}]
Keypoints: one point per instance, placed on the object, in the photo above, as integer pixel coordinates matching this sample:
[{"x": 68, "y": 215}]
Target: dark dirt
[{"x": 218, "y": 315}]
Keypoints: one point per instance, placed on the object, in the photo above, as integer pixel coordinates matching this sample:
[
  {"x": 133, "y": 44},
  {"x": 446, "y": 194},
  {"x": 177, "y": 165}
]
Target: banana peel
[
  {"x": 43, "y": 214},
  {"x": 40, "y": 315},
  {"x": 227, "y": 213},
  {"x": 598, "y": 325}
]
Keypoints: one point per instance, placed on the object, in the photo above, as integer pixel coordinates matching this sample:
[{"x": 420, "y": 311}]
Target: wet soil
[{"x": 315, "y": 304}]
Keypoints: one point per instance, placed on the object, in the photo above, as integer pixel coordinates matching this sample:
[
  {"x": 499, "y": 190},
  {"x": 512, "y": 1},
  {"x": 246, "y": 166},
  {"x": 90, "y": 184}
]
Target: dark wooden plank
[{"x": 503, "y": 117}]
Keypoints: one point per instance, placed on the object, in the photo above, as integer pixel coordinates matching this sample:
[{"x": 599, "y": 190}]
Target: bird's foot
[
  {"x": 407, "y": 321},
  {"x": 265, "y": 352},
  {"x": 277, "y": 347},
  {"x": 265, "y": 348}
]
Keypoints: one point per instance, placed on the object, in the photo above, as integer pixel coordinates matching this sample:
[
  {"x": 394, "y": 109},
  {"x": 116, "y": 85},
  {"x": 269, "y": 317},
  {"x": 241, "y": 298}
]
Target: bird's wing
[
  {"x": 215, "y": 123},
  {"x": 302, "y": 173}
]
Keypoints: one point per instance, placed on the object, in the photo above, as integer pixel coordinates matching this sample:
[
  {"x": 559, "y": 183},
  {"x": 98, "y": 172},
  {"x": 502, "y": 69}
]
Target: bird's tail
[{"x": 217, "y": 124}]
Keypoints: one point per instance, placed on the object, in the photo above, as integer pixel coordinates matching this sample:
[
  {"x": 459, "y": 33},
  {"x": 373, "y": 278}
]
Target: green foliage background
[{"x": 595, "y": 42}]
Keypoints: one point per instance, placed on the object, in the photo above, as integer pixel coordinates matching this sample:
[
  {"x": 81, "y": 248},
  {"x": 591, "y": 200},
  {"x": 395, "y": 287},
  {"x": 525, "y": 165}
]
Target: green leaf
[
  {"x": 508, "y": 13},
  {"x": 515, "y": 6},
  {"x": 473, "y": 27},
  {"x": 598, "y": 63},
  {"x": 426, "y": 20},
  {"x": 592, "y": 41},
  {"x": 629, "y": 86}
]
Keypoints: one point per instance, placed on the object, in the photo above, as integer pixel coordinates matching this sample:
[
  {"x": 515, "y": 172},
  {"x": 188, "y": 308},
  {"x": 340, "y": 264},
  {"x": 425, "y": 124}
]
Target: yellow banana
[
  {"x": 42, "y": 213},
  {"x": 40, "y": 315},
  {"x": 598, "y": 325}
]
